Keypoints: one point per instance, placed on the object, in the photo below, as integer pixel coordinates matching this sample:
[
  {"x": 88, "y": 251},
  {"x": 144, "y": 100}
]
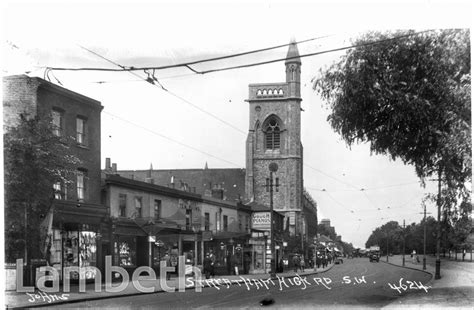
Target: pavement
[
  {"x": 15, "y": 300},
  {"x": 455, "y": 288}
]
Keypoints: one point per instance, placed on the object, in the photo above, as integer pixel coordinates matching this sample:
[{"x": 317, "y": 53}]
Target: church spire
[
  {"x": 293, "y": 55},
  {"x": 293, "y": 70}
]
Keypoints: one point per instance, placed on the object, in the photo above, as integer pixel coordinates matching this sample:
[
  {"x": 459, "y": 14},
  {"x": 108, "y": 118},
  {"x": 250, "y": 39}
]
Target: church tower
[{"x": 275, "y": 136}]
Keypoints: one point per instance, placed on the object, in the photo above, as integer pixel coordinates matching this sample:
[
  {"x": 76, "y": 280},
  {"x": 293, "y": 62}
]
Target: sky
[{"x": 204, "y": 118}]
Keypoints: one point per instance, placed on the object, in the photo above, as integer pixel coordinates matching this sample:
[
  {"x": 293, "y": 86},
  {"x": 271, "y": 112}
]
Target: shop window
[
  {"x": 88, "y": 252},
  {"x": 81, "y": 183},
  {"x": 123, "y": 205},
  {"x": 225, "y": 223},
  {"x": 157, "y": 209},
  {"x": 127, "y": 251},
  {"x": 81, "y": 130},
  {"x": 57, "y": 119},
  {"x": 138, "y": 206},
  {"x": 207, "y": 220},
  {"x": 71, "y": 251}
]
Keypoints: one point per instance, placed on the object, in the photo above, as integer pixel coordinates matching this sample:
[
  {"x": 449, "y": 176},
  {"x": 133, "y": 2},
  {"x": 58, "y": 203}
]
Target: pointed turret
[
  {"x": 205, "y": 166},
  {"x": 293, "y": 70},
  {"x": 293, "y": 55}
]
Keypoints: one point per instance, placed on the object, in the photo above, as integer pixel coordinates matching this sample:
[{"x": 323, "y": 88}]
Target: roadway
[{"x": 355, "y": 283}]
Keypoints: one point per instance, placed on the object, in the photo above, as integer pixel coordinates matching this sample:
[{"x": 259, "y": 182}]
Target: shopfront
[
  {"x": 75, "y": 245},
  {"x": 229, "y": 251}
]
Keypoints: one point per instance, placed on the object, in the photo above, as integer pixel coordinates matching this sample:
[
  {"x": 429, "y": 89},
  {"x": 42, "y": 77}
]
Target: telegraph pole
[
  {"x": 438, "y": 233},
  {"x": 403, "y": 232},
  {"x": 424, "y": 237},
  {"x": 273, "y": 167}
]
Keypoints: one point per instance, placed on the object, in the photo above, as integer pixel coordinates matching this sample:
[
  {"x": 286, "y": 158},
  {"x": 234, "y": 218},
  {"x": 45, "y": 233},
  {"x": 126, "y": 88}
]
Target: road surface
[{"x": 356, "y": 282}]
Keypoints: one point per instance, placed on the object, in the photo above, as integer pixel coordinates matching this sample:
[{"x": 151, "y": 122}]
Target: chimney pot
[
  {"x": 107, "y": 163},
  {"x": 114, "y": 167}
]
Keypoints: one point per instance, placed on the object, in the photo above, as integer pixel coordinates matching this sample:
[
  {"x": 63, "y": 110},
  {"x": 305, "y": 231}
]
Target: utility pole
[
  {"x": 403, "y": 232},
  {"x": 424, "y": 236},
  {"x": 387, "y": 246},
  {"x": 438, "y": 233},
  {"x": 424, "y": 239}
]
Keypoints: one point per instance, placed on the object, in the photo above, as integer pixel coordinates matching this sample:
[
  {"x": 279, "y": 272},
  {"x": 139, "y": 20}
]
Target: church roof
[{"x": 293, "y": 54}]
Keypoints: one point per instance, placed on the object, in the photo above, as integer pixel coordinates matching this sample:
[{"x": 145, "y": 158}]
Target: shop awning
[{"x": 228, "y": 235}]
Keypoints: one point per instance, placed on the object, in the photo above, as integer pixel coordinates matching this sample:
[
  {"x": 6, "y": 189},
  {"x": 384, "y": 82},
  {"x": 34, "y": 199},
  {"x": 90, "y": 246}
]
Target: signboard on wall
[{"x": 261, "y": 220}]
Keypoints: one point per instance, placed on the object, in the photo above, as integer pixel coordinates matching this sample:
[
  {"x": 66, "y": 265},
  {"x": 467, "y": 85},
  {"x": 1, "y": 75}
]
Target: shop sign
[
  {"x": 261, "y": 220},
  {"x": 151, "y": 238}
]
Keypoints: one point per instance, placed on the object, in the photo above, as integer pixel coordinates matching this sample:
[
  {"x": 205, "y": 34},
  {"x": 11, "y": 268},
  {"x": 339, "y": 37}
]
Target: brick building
[{"x": 78, "y": 215}]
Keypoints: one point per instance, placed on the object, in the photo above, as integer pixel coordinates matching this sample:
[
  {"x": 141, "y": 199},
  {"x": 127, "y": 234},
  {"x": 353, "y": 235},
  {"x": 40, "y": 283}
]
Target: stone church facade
[{"x": 275, "y": 137}]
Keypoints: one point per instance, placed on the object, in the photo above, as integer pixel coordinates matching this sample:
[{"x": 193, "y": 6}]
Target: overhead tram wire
[
  {"x": 187, "y": 64},
  {"x": 240, "y": 66},
  {"x": 169, "y": 92},
  {"x": 171, "y": 139}
]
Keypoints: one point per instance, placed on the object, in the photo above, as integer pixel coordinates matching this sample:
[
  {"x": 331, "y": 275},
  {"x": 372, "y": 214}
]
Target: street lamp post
[{"x": 273, "y": 167}]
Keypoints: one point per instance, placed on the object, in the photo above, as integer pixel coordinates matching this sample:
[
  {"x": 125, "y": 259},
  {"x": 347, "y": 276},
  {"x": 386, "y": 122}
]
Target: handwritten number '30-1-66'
[{"x": 410, "y": 285}]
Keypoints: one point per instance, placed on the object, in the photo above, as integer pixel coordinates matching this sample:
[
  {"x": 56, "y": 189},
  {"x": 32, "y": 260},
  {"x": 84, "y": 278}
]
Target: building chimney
[
  {"x": 114, "y": 168},
  {"x": 107, "y": 163}
]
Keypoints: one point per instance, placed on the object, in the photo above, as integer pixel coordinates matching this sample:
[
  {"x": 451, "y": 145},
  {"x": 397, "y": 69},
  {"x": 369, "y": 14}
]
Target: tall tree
[
  {"x": 410, "y": 97},
  {"x": 34, "y": 160}
]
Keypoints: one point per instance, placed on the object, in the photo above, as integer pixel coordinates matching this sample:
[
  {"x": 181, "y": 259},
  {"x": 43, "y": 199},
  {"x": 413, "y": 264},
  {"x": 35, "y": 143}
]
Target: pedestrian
[
  {"x": 302, "y": 264},
  {"x": 413, "y": 256},
  {"x": 167, "y": 260},
  {"x": 213, "y": 263},
  {"x": 296, "y": 262},
  {"x": 207, "y": 266},
  {"x": 235, "y": 264},
  {"x": 417, "y": 259},
  {"x": 247, "y": 260}
]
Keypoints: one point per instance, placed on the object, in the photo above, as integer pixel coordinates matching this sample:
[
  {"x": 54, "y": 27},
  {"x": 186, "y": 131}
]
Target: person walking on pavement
[
  {"x": 207, "y": 266},
  {"x": 213, "y": 262},
  {"x": 302, "y": 264},
  {"x": 296, "y": 262},
  {"x": 167, "y": 259}
]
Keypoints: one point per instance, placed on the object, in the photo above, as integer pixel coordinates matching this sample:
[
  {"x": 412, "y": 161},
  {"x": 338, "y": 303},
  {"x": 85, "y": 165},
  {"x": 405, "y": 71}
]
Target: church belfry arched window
[
  {"x": 293, "y": 73},
  {"x": 272, "y": 135}
]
